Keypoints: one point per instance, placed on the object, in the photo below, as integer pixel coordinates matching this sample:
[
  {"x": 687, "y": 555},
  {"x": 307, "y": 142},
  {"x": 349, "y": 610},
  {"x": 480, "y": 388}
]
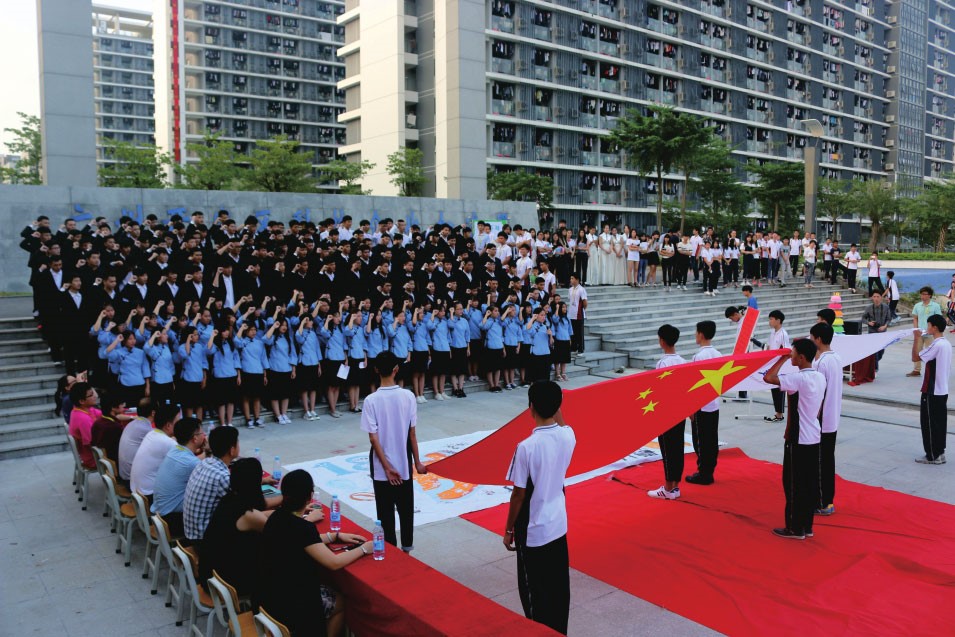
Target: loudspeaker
[{"x": 853, "y": 328}]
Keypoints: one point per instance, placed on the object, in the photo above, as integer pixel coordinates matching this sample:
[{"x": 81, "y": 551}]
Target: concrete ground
[{"x": 62, "y": 577}]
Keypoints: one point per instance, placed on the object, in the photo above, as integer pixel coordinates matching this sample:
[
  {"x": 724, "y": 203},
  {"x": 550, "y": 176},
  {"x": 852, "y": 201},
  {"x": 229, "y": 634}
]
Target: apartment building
[{"x": 550, "y": 78}]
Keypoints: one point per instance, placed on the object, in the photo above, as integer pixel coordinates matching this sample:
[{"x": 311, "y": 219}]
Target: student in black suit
[{"x": 74, "y": 320}]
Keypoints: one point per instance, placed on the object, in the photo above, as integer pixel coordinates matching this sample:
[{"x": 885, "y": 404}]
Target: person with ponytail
[
  {"x": 334, "y": 338},
  {"x": 160, "y": 350},
  {"x": 282, "y": 361},
  {"x": 309, "y": 359},
  {"x": 254, "y": 362},
  {"x": 226, "y": 372}
]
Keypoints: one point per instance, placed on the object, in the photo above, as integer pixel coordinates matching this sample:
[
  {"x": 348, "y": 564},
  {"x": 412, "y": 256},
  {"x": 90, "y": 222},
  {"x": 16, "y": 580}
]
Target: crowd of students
[{"x": 227, "y": 317}]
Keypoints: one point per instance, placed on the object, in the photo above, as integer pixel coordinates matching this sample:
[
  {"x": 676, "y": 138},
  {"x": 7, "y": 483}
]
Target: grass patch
[{"x": 917, "y": 256}]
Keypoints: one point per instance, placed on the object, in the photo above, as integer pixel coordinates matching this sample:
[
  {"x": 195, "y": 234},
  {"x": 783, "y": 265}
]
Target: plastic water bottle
[
  {"x": 257, "y": 454},
  {"x": 378, "y": 540},
  {"x": 335, "y": 514},
  {"x": 277, "y": 469}
]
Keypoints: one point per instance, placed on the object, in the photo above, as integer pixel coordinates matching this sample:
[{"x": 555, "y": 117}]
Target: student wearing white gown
[
  {"x": 604, "y": 262},
  {"x": 619, "y": 258}
]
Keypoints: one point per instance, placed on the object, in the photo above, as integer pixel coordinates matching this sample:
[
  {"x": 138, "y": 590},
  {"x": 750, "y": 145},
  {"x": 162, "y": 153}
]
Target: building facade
[
  {"x": 124, "y": 94},
  {"x": 555, "y": 77},
  {"x": 249, "y": 70}
]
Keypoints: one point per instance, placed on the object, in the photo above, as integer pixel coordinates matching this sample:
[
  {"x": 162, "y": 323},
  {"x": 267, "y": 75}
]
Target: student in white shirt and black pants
[
  {"x": 537, "y": 517},
  {"x": 934, "y": 404},
  {"x": 829, "y": 364},
  {"x": 389, "y": 417},
  {"x": 670, "y": 441},
  {"x": 705, "y": 423},
  {"x": 779, "y": 339},
  {"x": 806, "y": 390}
]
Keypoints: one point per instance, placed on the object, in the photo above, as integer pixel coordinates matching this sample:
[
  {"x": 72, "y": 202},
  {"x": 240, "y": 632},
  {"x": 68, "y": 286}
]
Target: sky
[{"x": 19, "y": 68}]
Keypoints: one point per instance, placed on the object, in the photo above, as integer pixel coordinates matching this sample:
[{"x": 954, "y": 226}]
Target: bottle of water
[
  {"x": 335, "y": 514},
  {"x": 257, "y": 454},
  {"x": 378, "y": 540},
  {"x": 277, "y": 469}
]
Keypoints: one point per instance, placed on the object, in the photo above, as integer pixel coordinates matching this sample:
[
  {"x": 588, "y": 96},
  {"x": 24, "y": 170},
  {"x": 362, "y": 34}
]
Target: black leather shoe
[{"x": 699, "y": 478}]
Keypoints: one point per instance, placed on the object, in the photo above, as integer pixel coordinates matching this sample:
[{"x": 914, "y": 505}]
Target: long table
[{"x": 404, "y": 596}]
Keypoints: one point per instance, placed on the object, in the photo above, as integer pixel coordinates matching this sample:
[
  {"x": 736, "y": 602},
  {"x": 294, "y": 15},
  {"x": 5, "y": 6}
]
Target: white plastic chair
[
  {"x": 81, "y": 474},
  {"x": 227, "y": 608},
  {"x": 106, "y": 467},
  {"x": 267, "y": 626},
  {"x": 201, "y": 603},
  {"x": 175, "y": 582},
  {"x": 152, "y": 558},
  {"x": 124, "y": 517}
]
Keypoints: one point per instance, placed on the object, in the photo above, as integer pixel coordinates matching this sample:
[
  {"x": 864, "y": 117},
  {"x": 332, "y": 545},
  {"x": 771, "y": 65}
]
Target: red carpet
[{"x": 883, "y": 565}]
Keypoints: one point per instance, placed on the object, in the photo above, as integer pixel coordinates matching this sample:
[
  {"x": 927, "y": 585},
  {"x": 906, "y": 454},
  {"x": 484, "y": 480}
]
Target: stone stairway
[
  {"x": 28, "y": 379},
  {"x": 622, "y": 322}
]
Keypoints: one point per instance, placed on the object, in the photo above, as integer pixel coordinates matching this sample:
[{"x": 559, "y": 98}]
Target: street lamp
[{"x": 811, "y": 156}]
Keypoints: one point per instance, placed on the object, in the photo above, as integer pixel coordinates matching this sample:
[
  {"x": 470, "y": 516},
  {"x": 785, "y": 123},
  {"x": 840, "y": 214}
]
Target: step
[
  {"x": 603, "y": 361},
  {"x": 25, "y": 398},
  {"x": 17, "y": 357},
  {"x": 33, "y": 446},
  {"x": 28, "y": 413},
  {"x": 24, "y": 345},
  {"x": 30, "y": 370},
  {"x": 11, "y": 333},
  {"x": 31, "y": 429},
  {"x": 40, "y": 381},
  {"x": 18, "y": 322}
]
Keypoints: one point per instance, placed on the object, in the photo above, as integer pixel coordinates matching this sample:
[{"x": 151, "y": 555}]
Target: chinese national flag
[{"x": 611, "y": 419}]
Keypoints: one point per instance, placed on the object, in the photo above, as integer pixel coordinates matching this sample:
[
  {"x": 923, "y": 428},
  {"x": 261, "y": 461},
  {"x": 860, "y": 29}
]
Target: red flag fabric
[
  {"x": 746, "y": 331},
  {"x": 611, "y": 418}
]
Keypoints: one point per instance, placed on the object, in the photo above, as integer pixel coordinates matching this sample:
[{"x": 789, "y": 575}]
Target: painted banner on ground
[{"x": 436, "y": 498}]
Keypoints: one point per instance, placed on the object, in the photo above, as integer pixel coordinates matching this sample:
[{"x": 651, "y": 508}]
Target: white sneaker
[
  {"x": 715, "y": 292},
  {"x": 250, "y": 424},
  {"x": 707, "y": 294},
  {"x": 421, "y": 400},
  {"x": 663, "y": 494},
  {"x": 438, "y": 396},
  {"x": 280, "y": 419}
]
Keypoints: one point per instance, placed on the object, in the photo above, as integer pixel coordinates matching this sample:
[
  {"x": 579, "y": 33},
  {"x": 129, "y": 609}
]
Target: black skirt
[
  {"x": 419, "y": 362},
  {"x": 224, "y": 391},
  {"x": 252, "y": 386},
  {"x": 280, "y": 385},
  {"x": 440, "y": 362},
  {"x": 306, "y": 378},
  {"x": 161, "y": 393},
  {"x": 188, "y": 394},
  {"x": 512, "y": 359},
  {"x": 652, "y": 258},
  {"x": 561, "y": 351},
  {"x": 330, "y": 372},
  {"x": 459, "y": 361},
  {"x": 492, "y": 360},
  {"x": 356, "y": 375}
]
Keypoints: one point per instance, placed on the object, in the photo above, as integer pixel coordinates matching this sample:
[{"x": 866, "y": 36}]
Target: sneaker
[
  {"x": 288, "y": 419},
  {"x": 250, "y": 424},
  {"x": 663, "y": 494},
  {"x": 280, "y": 420},
  {"x": 315, "y": 416},
  {"x": 829, "y": 510},
  {"x": 810, "y": 534},
  {"x": 699, "y": 478},
  {"x": 715, "y": 292},
  {"x": 925, "y": 460},
  {"x": 508, "y": 386},
  {"x": 913, "y": 374},
  {"x": 335, "y": 414},
  {"x": 707, "y": 294},
  {"x": 438, "y": 396},
  {"x": 773, "y": 418},
  {"x": 419, "y": 400},
  {"x": 259, "y": 424},
  {"x": 789, "y": 535}
]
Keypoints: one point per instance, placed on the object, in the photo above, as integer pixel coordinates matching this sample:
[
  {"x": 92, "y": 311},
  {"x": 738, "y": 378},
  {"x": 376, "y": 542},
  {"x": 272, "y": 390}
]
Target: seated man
[
  {"x": 108, "y": 428},
  {"x": 133, "y": 434},
  {"x": 208, "y": 482},
  {"x": 153, "y": 450},
  {"x": 82, "y": 417},
  {"x": 169, "y": 489}
]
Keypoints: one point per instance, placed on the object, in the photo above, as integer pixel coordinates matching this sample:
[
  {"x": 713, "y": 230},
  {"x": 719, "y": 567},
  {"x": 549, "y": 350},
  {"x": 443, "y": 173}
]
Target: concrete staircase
[
  {"x": 622, "y": 322},
  {"x": 28, "y": 379}
]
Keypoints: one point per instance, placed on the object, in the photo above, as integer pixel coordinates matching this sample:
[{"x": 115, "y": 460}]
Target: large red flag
[
  {"x": 746, "y": 331},
  {"x": 611, "y": 418}
]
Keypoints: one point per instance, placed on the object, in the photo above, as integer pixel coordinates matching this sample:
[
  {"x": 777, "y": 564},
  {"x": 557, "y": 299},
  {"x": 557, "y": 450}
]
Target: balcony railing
[
  {"x": 542, "y": 73},
  {"x": 610, "y": 160},
  {"x": 502, "y": 107},
  {"x": 609, "y": 48},
  {"x": 503, "y": 149},
  {"x": 502, "y": 65},
  {"x": 589, "y": 82},
  {"x": 588, "y": 44},
  {"x": 609, "y": 86},
  {"x": 502, "y": 24},
  {"x": 541, "y": 33},
  {"x": 590, "y": 120},
  {"x": 542, "y": 113},
  {"x": 611, "y": 197},
  {"x": 589, "y": 158},
  {"x": 543, "y": 153}
]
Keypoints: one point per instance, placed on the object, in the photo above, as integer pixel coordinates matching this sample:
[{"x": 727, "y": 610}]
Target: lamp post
[{"x": 811, "y": 156}]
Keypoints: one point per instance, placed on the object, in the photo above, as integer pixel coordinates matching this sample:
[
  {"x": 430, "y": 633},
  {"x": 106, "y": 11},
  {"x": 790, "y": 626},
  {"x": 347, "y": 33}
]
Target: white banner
[
  {"x": 851, "y": 349},
  {"x": 436, "y": 498}
]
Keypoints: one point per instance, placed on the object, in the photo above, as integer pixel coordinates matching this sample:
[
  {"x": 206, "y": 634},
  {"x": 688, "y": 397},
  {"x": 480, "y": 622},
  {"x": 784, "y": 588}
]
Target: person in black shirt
[{"x": 292, "y": 559}]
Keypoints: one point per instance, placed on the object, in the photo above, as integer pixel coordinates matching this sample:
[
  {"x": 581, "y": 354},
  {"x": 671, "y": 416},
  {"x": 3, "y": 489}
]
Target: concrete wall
[
  {"x": 20, "y": 205},
  {"x": 68, "y": 124}
]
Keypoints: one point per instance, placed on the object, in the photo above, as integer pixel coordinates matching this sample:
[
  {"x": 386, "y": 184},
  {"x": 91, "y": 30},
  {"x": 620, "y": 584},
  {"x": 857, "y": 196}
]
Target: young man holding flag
[
  {"x": 671, "y": 441},
  {"x": 705, "y": 422}
]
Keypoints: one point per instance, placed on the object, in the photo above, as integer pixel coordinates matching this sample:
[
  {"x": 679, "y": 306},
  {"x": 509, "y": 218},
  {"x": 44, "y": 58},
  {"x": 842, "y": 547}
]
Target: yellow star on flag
[
  {"x": 645, "y": 393},
  {"x": 714, "y": 377},
  {"x": 665, "y": 374},
  {"x": 649, "y": 407}
]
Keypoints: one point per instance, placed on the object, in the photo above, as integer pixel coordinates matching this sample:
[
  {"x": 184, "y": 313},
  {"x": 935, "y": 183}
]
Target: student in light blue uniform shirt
[
  {"x": 162, "y": 362},
  {"x": 193, "y": 361},
  {"x": 282, "y": 361},
  {"x": 132, "y": 367},
  {"x": 376, "y": 342},
  {"x": 357, "y": 361},
  {"x": 475, "y": 314},
  {"x": 460, "y": 340},
  {"x": 334, "y": 338},
  {"x": 254, "y": 363},
  {"x": 440, "y": 331},
  {"x": 226, "y": 373},
  {"x": 400, "y": 339},
  {"x": 563, "y": 332},
  {"x": 527, "y": 340},
  {"x": 493, "y": 355},
  {"x": 309, "y": 360},
  {"x": 513, "y": 339},
  {"x": 539, "y": 329},
  {"x": 420, "y": 352}
]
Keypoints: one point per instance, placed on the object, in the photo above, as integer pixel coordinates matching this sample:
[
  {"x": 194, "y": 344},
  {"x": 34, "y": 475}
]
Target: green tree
[
  {"x": 692, "y": 141},
  {"x": 347, "y": 174},
  {"x": 216, "y": 168},
  {"x": 276, "y": 165},
  {"x": 875, "y": 200},
  {"x": 723, "y": 199},
  {"x": 520, "y": 185},
  {"x": 27, "y": 144},
  {"x": 779, "y": 190},
  {"x": 834, "y": 202},
  {"x": 652, "y": 144},
  {"x": 934, "y": 211},
  {"x": 133, "y": 166},
  {"x": 407, "y": 172}
]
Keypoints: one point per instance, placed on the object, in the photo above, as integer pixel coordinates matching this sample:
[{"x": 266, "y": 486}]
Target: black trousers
[
  {"x": 706, "y": 440},
  {"x": 934, "y": 421},
  {"x": 580, "y": 266},
  {"x": 577, "y": 338},
  {"x": 801, "y": 485},
  {"x": 851, "y": 278},
  {"x": 671, "y": 448},
  {"x": 389, "y": 497},
  {"x": 680, "y": 270},
  {"x": 827, "y": 470},
  {"x": 543, "y": 582},
  {"x": 779, "y": 400},
  {"x": 876, "y": 284},
  {"x": 794, "y": 263}
]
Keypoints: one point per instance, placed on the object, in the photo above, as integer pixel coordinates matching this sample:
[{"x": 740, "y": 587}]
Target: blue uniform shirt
[
  {"x": 493, "y": 333},
  {"x": 309, "y": 347},
  {"x": 334, "y": 342},
  {"x": 400, "y": 340},
  {"x": 440, "y": 334},
  {"x": 420, "y": 337},
  {"x": 192, "y": 363},
  {"x": 540, "y": 345},
  {"x": 562, "y": 328},
  {"x": 253, "y": 358},
  {"x": 356, "y": 341},
  {"x": 513, "y": 331},
  {"x": 460, "y": 332},
  {"x": 225, "y": 362},
  {"x": 282, "y": 355},
  {"x": 133, "y": 366},
  {"x": 163, "y": 363}
]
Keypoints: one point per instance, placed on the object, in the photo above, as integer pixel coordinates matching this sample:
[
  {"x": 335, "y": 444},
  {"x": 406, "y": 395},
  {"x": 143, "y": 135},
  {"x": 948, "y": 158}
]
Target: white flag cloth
[{"x": 851, "y": 349}]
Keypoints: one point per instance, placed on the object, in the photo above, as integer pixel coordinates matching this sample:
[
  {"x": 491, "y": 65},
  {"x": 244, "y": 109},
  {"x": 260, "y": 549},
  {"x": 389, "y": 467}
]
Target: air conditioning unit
[
  {"x": 772, "y": 56},
  {"x": 893, "y": 44},
  {"x": 521, "y": 147},
  {"x": 625, "y": 85},
  {"x": 681, "y": 29},
  {"x": 680, "y": 97},
  {"x": 870, "y": 61},
  {"x": 889, "y": 119},
  {"x": 680, "y": 63},
  {"x": 892, "y": 19},
  {"x": 807, "y": 10},
  {"x": 890, "y": 143},
  {"x": 891, "y": 69},
  {"x": 890, "y": 166},
  {"x": 842, "y": 51},
  {"x": 890, "y": 94},
  {"x": 574, "y": 152}
]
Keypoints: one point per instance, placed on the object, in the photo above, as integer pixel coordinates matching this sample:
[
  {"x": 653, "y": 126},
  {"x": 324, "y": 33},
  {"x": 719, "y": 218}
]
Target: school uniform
[
  {"x": 253, "y": 361},
  {"x": 132, "y": 372},
  {"x": 193, "y": 362},
  {"x": 513, "y": 337},
  {"x": 309, "y": 358},
  {"x": 162, "y": 366},
  {"x": 671, "y": 441},
  {"x": 420, "y": 346},
  {"x": 806, "y": 390},
  {"x": 539, "y": 366},
  {"x": 400, "y": 345},
  {"x": 778, "y": 339},
  {"x": 704, "y": 426},
  {"x": 493, "y": 354},
  {"x": 460, "y": 329},
  {"x": 829, "y": 364},
  {"x": 563, "y": 333},
  {"x": 933, "y": 415},
  {"x": 334, "y": 340},
  {"x": 225, "y": 365}
]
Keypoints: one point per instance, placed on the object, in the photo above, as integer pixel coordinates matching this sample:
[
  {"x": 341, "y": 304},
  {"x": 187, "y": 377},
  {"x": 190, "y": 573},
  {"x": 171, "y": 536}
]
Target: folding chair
[
  {"x": 175, "y": 583},
  {"x": 151, "y": 558},
  {"x": 124, "y": 517},
  {"x": 227, "y": 608},
  {"x": 268, "y": 626},
  {"x": 81, "y": 474},
  {"x": 201, "y": 603},
  {"x": 106, "y": 467}
]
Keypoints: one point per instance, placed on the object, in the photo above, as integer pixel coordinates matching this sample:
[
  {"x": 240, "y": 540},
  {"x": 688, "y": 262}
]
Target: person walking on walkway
[
  {"x": 933, "y": 416},
  {"x": 921, "y": 312}
]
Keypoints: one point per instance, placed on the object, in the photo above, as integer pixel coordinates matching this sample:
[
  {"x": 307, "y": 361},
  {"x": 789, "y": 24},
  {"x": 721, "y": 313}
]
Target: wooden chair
[
  {"x": 200, "y": 602},
  {"x": 108, "y": 468},
  {"x": 81, "y": 474},
  {"x": 227, "y": 608},
  {"x": 124, "y": 518},
  {"x": 176, "y": 581},
  {"x": 98, "y": 455},
  {"x": 152, "y": 558},
  {"x": 268, "y": 626}
]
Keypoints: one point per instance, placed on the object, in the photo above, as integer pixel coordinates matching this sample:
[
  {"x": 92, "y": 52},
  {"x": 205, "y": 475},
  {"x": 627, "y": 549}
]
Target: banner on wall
[{"x": 437, "y": 498}]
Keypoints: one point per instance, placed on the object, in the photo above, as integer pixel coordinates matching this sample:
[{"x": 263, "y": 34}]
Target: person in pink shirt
[{"x": 84, "y": 414}]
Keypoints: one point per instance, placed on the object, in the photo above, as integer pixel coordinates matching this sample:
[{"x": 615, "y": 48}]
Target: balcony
[
  {"x": 761, "y": 116},
  {"x": 609, "y": 86},
  {"x": 717, "y": 75},
  {"x": 610, "y": 197},
  {"x": 499, "y": 23},
  {"x": 608, "y": 122},
  {"x": 542, "y": 113},
  {"x": 589, "y": 158},
  {"x": 503, "y": 149},
  {"x": 543, "y": 153},
  {"x": 502, "y": 65},
  {"x": 793, "y": 65},
  {"x": 542, "y": 73},
  {"x": 502, "y": 107},
  {"x": 609, "y": 48},
  {"x": 709, "y": 9},
  {"x": 794, "y": 153},
  {"x": 759, "y": 25},
  {"x": 796, "y": 38},
  {"x": 589, "y": 82},
  {"x": 589, "y": 44},
  {"x": 713, "y": 107},
  {"x": 610, "y": 160},
  {"x": 607, "y": 11},
  {"x": 541, "y": 33},
  {"x": 590, "y": 120},
  {"x": 758, "y": 147}
]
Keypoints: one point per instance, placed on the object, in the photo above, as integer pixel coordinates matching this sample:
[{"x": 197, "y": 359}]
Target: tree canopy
[
  {"x": 276, "y": 165},
  {"x": 215, "y": 168},
  {"x": 133, "y": 166},
  {"x": 347, "y": 175},
  {"x": 521, "y": 185},
  {"x": 26, "y": 143},
  {"x": 407, "y": 172},
  {"x": 780, "y": 192}
]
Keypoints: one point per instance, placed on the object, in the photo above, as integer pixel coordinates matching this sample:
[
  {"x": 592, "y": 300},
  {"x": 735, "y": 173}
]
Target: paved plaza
[{"x": 62, "y": 577}]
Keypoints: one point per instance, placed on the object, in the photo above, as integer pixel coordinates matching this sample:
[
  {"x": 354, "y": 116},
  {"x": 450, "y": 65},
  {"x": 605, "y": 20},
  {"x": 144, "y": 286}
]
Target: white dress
[
  {"x": 604, "y": 261},
  {"x": 620, "y": 261}
]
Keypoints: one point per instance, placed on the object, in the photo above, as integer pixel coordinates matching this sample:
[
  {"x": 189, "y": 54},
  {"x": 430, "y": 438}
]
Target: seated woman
[{"x": 293, "y": 559}]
